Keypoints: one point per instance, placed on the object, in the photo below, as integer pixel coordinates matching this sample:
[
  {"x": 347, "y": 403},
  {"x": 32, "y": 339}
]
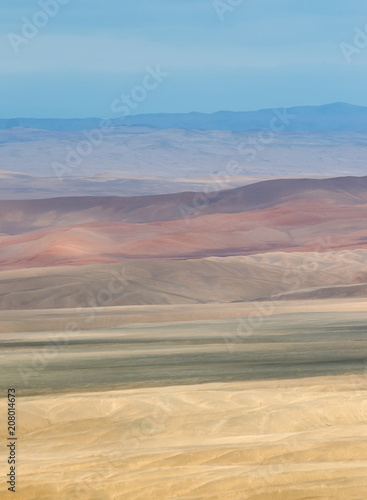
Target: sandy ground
[
  {"x": 84, "y": 318},
  {"x": 269, "y": 276},
  {"x": 262, "y": 440},
  {"x": 283, "y": 345},
  {"x": 193, "y": 409}
]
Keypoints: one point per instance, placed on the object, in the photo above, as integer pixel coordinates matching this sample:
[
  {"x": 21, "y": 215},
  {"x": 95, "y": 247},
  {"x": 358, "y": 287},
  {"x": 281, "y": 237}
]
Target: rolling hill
[{"x": 284, "y": 215}]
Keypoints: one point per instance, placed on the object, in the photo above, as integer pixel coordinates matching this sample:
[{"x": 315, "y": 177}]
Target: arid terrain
[
  {"x": 188, "y": 346},
  {"x": 280, "y": 215},
  {"x": 192, "y": 409},
  {"x": 275, "y": 275},
  {"x": 70, "y": 158},
  {"x": 183, "y": 250}
]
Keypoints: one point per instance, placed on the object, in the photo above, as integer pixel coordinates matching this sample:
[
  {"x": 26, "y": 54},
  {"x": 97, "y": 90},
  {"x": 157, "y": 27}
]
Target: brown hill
[
  {"x": 288, "y": 228},
  {"x": 222, "y": 280},
  {"x": 19, "y": 216},
  {"x": 285, "y": 215}
]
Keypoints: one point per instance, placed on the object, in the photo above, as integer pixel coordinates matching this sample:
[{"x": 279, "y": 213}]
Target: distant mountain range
[{"x": 330, "y": 117}]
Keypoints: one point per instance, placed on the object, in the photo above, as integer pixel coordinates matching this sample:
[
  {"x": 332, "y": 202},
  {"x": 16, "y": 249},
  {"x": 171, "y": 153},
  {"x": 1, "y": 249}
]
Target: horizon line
[{"x": 336, "y": 103}]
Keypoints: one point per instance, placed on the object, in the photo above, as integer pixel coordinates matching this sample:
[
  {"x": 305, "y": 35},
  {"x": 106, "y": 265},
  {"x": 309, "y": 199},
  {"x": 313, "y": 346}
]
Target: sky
[{"x": 82, "y": 58}]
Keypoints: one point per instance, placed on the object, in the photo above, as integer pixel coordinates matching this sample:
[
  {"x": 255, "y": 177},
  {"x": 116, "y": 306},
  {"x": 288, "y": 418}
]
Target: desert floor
[{"x": 198, "y": 402}]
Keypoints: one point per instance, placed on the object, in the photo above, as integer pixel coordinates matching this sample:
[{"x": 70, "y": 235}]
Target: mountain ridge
[{"x": 328, "y": 117}]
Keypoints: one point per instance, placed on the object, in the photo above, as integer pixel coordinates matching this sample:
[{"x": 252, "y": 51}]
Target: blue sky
[{"x": 258, "y": 54}]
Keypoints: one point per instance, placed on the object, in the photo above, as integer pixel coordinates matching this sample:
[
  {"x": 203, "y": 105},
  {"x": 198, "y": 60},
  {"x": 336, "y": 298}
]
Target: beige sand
[
  {"x": 308, "y": 275},
  {"x": 262, "y": 440},
  {"x": 249, "y": 419}
]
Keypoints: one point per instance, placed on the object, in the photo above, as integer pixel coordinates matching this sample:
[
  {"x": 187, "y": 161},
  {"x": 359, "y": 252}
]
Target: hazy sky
[{"x": 221, "y": 54}]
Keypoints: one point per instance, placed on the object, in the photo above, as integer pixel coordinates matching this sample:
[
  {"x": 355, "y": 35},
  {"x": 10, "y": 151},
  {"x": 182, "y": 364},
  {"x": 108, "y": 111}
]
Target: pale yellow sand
[
  {"x": 241, "y": 432},
  {"x": 304, "y": 439}
]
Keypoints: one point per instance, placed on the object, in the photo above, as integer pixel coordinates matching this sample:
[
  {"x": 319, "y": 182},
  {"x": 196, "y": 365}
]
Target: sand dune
[
  {"x": 281, "y": 416},
  {"x": 215, "y": 279},
  {"x": 281, "y": 440}
]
